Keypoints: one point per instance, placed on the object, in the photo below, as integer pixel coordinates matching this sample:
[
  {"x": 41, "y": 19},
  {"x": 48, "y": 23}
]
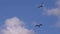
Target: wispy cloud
[
  {"x": 15, "y": 26},
  {"x": 54, "y": 11}
]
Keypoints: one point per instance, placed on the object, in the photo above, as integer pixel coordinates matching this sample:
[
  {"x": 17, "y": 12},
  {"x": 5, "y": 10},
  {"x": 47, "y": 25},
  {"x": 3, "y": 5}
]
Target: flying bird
[
  {"x": 41, "y": 5},
  {"x": 38, "y": 25}
]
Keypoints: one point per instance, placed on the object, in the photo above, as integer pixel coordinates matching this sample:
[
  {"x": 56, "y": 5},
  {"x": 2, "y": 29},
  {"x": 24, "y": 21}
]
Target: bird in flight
[
  {"x": 38, "y": 25},
  {"x": 41, "y": 5}
]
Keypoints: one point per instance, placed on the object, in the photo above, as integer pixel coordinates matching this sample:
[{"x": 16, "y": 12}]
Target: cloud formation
[
  {"x": 15, "y": 26},
  {"x": 54, "y": 11}
]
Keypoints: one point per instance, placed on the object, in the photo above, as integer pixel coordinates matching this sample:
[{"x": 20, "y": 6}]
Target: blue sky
[{"x": 27, "y": 11}]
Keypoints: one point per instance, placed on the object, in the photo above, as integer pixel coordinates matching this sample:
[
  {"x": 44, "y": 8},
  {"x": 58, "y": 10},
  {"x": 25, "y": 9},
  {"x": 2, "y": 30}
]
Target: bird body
[{"x": 38, "y": 25}]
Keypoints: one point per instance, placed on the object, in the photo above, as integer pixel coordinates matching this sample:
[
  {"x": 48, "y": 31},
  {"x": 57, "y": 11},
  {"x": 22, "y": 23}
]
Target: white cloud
[
  {"x": 54, "y": 11},
  {"x": 15, "y": 26}
]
